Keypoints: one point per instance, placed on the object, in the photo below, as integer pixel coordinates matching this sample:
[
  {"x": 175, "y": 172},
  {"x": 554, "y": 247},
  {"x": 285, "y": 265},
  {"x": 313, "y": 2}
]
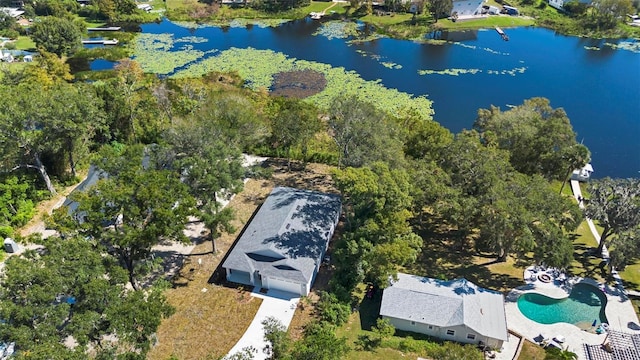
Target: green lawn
[
  {"x": 319, "y": 6},
  {"x": 531, "y": 351},
  {"x": 585, "y": 263},
  {"x": 489, "y": 22},
  {"x": 631, "y": 276},
  {"x": 25, "y": 43}
]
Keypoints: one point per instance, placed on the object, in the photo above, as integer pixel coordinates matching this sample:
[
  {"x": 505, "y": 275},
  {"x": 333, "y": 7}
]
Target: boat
[{"x": 316, "y": 15}]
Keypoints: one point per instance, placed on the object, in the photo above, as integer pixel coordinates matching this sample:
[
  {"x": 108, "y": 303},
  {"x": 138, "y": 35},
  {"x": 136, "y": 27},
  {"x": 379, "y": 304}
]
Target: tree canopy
[
  {"x": 536, "y": 136},
  {"x": 58, "y": 35},
  {"x": 134, "y": 208},
  {"x": 70, "y": 296},
  {"x": 615, "y": 205}
]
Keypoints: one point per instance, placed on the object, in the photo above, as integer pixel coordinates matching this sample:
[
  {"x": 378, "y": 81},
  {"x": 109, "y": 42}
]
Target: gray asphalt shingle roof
[
  {"x": 287, "y": 236},
  {"x": 445, "y": 304}
]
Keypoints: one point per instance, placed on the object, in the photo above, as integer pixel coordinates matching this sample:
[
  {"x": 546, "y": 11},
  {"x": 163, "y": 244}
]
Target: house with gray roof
[
  {"x": 455, "y": 310},
  {"x": 283, "y": 246}
]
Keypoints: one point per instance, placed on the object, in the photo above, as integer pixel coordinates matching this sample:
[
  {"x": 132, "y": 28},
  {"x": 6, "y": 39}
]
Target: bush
[
  {"x": 5, "y": 232},
  {"x": 9, "y": 33},
  {"x": 10, "y": 46},
  {"x": 333, "y": 311}
]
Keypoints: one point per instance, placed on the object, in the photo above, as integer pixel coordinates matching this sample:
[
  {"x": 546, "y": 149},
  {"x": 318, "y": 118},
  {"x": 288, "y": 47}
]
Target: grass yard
[
  {"x": 328, "y": 7},
  {"x": 360, "y": 323},
  {"x": 208, "y": 323},
  {"x": 531, "y": 351},
  {"x": 585, "y": 263},
  {"x": 25, "y": 43},
  {"x": 489, "y": 22}
]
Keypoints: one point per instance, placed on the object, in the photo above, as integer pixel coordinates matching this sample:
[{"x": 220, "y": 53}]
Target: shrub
[{"x": 332, "y": 310}]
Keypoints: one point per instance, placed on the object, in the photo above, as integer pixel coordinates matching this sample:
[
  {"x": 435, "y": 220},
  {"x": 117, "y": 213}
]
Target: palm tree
[{"x": 576, "y": 157}]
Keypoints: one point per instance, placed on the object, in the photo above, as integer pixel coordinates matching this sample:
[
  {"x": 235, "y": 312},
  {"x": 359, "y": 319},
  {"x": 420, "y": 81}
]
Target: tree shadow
[
  {"x": 369, "y": 311},
  {"x": 444, "y": 256}
]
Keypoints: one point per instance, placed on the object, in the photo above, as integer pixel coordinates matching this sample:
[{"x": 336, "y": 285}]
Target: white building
[
  {"x": 455, "y": 310},
  {"x": 559, "y": 4},
  {"x": 467, "y": 7}
]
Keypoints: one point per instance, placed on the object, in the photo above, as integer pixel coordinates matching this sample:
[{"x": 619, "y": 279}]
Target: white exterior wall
[{"x": 460, "y": 334}]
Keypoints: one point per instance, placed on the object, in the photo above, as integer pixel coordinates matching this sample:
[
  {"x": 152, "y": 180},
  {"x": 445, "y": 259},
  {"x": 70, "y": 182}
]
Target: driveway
[{"x": 278, "y": 304}]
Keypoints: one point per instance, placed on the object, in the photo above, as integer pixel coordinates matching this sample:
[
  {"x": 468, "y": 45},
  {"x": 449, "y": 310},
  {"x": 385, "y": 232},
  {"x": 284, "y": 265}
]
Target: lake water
[{"x": 597, "y": 82}]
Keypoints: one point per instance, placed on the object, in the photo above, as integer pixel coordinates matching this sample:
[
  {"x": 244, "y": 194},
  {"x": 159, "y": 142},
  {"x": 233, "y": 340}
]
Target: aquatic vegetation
[
  {"x": 378, "y": 58},
  {"x": 473, "y": 47},
  {"x": 391, "y": 65},
  {"x": 299, "y": 84},
  {"x": 354, "y": 31},
  {"x": 261, "y": 23},
  {"x": 192, "y": 39},
  {"x": 366, "y": 38},
  {"x": 338, "y": 29},
  {"x": 192, "y": 24},
  {"x": 259, "y": 67},
  {"x": 458, "y": 72},
  {"x": 237, "y": 22},
  {"x": 452, "y": 72},
  {"x": 633, "y": 46},
  {"x": 155, "y": 53},
  {"x": 431, "y": 41},
  {"x": 512, "y": 72}
]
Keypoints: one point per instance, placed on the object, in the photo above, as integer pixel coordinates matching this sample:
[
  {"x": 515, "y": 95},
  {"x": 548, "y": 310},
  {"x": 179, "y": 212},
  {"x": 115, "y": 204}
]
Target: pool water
[{"x": 585, "y": 304}]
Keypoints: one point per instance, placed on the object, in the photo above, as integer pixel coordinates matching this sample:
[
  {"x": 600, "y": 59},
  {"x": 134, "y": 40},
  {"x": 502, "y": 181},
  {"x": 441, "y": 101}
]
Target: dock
[
  {"x": 501, "y": 32},
  {"x": 101, "y": 41},
  {"x": 109, "y": 28}
]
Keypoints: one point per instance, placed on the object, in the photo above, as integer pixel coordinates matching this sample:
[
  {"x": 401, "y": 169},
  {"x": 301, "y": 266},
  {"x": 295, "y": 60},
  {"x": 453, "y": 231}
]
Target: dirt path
[
  {"x": 36, "y": 224},
  {"x": 330, "y": 6}
]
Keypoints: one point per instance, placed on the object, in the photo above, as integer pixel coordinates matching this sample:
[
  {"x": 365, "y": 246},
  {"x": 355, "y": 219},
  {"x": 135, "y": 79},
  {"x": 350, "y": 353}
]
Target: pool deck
[{"x": 619, "y": 312}]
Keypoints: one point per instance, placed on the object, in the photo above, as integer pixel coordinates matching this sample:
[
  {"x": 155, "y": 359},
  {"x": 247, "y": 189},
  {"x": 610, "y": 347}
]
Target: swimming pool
[{"x": 585, "y": 304}]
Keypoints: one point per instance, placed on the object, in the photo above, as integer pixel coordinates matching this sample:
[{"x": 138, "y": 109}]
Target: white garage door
[{"x": 283, "y": 285}]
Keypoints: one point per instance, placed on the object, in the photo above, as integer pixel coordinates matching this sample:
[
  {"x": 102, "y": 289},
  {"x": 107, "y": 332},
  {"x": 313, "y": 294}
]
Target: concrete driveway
[{"x": 278, "y": 304}]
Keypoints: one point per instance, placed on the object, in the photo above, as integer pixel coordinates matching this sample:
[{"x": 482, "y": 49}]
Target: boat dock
[
  {"x": 109, "y": 28},
  {"x": 101, "y": 41},
  {"x": 501, "y": 32}
]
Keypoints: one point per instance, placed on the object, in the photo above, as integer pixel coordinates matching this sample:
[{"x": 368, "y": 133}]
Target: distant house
[
  {"x": 13, "y": 12},
  {"x": 455, "y": 310},
  {"x": 283, "y": 246},
  {"x": 467, "y": 7},
  {"x": 559, "y": 4},
  {"x": 145, "y": 7},
  {"x": 583, "y": 174}
]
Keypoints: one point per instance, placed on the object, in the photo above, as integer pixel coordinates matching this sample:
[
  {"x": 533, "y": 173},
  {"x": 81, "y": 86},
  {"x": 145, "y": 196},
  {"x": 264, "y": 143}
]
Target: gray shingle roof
[
  {"x": 287, "y": 237},
  {"x": 445, "y": 304}
]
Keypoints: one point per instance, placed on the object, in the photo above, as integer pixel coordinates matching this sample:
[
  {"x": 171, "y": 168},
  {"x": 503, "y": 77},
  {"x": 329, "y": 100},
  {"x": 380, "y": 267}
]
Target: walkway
[
  {"x": 577, "y": 193},
  {"x": 278, "y": 304}
]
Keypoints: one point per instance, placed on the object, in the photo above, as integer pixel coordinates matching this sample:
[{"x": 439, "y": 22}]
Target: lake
[{"x": 597, "y": 82}]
